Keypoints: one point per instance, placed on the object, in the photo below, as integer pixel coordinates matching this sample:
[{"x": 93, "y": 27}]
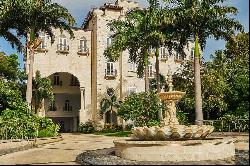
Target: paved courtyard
[
  {"x": 61, "y": 153},
  {"x": 65, "y": 152}
]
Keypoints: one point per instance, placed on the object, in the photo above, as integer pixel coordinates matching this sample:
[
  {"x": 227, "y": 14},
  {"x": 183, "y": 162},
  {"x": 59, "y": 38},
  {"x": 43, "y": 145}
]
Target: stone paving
[{"x": 65, "y": 152}]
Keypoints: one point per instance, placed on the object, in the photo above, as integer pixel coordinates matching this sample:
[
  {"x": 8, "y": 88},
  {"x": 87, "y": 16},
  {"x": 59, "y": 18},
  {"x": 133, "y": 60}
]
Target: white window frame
[
  {"x": 109, "y": 41},
  {"x": 83, "y": 45},
  {"x": 150, "y": 71},
  {"x": 192, "y": 54},
  {"x": 110, "y": 69},
  {"x": 63, "y": 43},
  {"x": 43, "y": 44},
  {"x": 162, "y": 53},
  {"x": 178, "y": 57}
]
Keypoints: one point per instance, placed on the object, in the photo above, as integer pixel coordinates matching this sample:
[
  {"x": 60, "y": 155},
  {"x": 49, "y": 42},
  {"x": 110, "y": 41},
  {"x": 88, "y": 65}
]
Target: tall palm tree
[
  {"x": 29, "y": 17},
  {"x": 201, "y": 19}
]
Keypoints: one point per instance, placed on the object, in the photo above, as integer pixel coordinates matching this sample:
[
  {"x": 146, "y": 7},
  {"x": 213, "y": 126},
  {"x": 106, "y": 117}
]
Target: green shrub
[
  {"x": 108, "y": 128},
  {"x": 46, "y": 125},
  {"x": 45, "y": 133},
  {"x": 142, "y": 108},
  {"x": 23, "y": 124},
  {"x": 87, "y": 127},
  {"x": 182, "y": 118}
]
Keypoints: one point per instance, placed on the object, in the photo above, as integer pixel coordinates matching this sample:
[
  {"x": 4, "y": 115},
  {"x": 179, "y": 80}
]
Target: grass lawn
[{"x": 116, "y": 134}]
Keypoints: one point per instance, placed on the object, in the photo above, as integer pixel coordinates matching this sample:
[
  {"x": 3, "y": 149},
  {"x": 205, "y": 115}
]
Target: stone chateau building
[{"x": 80, "y": 73}]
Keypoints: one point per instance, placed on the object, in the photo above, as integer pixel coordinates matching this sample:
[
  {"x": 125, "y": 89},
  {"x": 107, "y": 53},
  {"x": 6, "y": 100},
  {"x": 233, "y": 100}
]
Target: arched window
[
  {"x": 67, "y": 106},
  {"x": 56, "y": 79}
]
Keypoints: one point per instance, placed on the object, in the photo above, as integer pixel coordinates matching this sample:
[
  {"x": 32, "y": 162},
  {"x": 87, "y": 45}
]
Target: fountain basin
[
  {"x": 188, "y": 150},
  {"x": 176, "y": 132}
]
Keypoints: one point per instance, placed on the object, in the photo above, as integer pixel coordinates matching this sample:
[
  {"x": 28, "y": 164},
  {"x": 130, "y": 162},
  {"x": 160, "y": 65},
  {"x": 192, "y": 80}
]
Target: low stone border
[
  {"x": 11, "y": 146},
  {"x": 107, "y": 157}
]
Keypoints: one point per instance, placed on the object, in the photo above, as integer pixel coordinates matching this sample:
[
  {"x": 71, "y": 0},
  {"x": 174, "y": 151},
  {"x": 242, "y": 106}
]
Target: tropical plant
[
  {"x": 109, "y": 103},
  {"x": 142, "y": 108},
  {"x": 11, "y": 83},
  {"x": 16, "y": 120},
  {"x": 201, "y": 19},
  {"x": 28, "y": 18},
  {"x": 42, "y": 89}
]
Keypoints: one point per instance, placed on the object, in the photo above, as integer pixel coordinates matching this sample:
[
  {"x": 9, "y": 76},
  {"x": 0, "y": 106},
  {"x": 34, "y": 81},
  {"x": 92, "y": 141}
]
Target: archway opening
[{"x": 64, "y": 110}]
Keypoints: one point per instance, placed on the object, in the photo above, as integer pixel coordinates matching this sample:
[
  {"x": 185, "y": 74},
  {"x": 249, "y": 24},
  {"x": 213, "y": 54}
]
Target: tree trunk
[
  {"x": 120, "y": 68},
  {"x": 30, "y": 77},
  {"x": 157, "y": 69},
  {"x": 146, "y": 78},
  {"x": 197, "y": 81}
]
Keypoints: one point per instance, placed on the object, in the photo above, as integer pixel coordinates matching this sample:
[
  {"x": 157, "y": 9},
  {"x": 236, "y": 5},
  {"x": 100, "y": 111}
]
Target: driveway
[
  {"x": 65, "y": 152},
  {"x": 61, "y": 153}
]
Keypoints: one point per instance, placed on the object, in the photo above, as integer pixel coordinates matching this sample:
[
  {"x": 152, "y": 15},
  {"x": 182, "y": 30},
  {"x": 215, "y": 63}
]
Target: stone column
[{"x": 82, "y": 89}]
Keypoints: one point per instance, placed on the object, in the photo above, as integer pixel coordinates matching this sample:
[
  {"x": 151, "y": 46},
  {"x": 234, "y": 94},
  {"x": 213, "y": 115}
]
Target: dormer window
[
  {"x": 63, "y": 47},
  {"x": 83, "y": 49}
]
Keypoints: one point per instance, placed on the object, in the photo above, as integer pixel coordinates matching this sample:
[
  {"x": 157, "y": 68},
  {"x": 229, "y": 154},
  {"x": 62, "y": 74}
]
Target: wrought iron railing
[{"x": 62, "y": 48}]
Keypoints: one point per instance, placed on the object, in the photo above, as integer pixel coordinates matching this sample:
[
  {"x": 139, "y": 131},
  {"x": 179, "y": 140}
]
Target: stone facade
[{"x": 89, "y": 66}]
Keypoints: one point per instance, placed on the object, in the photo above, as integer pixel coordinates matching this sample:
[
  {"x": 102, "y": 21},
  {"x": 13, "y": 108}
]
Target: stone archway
[{"x": 67, "y": 105}]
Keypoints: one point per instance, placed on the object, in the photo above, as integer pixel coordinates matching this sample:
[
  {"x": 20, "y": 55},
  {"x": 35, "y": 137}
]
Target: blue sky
[{"x": 80, "y": 8}]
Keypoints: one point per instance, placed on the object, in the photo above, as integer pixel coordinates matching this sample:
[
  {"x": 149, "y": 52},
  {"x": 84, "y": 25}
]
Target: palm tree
[
  {"x": 6, "y": 26},
  {"x": 201, "y": 19},
  {"x": 138, "y": 33},
  {"x": 29, "y": 17}
]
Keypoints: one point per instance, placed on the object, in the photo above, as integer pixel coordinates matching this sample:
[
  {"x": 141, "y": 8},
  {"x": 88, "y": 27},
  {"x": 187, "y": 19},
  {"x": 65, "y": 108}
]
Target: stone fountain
[{"x": 171, "y": 141}]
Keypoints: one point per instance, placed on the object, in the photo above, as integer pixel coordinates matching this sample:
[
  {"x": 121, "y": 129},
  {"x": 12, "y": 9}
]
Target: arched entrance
[{"x": 65, "y": 109}]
